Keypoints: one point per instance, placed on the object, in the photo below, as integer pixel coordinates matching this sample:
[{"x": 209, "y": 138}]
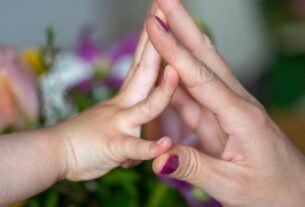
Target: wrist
[{"x": 56, "y": 142}]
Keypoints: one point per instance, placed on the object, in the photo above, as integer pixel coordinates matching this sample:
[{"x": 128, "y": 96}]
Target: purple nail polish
[
  {"x": 161, "y": 22},
  {"x": 171, "y": 165}
]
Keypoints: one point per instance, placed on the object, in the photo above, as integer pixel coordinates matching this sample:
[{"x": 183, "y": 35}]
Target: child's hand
[{"x": 107, "y": 135}]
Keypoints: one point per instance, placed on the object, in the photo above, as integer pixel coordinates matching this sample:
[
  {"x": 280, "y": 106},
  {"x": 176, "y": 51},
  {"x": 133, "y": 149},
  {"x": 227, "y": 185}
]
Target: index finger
[
  {"x": 185, "y": 29},
  {"x": 205, "y": 86}
]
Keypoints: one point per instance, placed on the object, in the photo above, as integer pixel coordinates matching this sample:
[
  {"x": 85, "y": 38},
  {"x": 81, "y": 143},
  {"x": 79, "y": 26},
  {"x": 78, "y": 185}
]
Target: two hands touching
[{"x": 246, "y": 159}]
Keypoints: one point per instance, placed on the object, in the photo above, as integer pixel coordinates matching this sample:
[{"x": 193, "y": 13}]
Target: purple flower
[
  {"x": 84, "y": 86},
  {"x": 113, "y": 83},
  {"x": 179, "y": 184},
  {"x": 186, "y": 190},
  {"x": 87, "y": 48},
  {"x": 121, "y": 56},
  {"x": 127, "y": 46}
]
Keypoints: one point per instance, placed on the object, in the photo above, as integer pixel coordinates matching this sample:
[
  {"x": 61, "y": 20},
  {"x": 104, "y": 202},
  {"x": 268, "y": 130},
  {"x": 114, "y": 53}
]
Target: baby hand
[{"x": 107, "y": 135}]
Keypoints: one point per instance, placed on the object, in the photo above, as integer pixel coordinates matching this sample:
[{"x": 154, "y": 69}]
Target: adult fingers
[
  {"x": 203, "y": 84},
  {"x": 185, "y": 163},
  {"x": 188, "y": 109},
  {"x": 156, "y": 102},
  {"x": 198, "y": 118},
  {"x": 198, "y": 43}
]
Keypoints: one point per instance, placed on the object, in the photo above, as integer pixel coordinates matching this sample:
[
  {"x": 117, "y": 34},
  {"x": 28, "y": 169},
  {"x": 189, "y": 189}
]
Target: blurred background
[
  {"x": 238, "y": 26},
  {"x": 263, "y": 41}
]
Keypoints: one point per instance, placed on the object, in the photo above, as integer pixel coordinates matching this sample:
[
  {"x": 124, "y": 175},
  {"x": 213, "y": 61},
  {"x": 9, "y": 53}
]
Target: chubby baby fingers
[
  {"x": 156, "y": 102},
  {"x": 140, "y": 149}
]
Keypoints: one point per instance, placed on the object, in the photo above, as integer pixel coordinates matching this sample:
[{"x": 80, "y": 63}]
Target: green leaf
[{"x": 52, "y": 199}]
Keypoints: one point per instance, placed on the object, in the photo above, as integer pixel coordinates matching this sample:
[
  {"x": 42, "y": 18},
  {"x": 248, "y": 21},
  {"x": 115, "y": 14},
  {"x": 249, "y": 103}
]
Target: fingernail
[
  {"x": 171, "y": 165},
  {"x": 162, "y": 23}
]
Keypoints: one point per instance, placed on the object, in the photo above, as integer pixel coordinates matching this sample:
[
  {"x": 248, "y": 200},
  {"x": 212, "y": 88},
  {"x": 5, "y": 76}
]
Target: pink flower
[{"x": 19, "y": 105}]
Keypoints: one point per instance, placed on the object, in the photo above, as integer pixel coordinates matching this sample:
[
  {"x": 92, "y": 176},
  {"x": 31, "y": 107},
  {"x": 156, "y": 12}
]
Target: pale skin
[
  {"x": 94, "y": 142},
  {"x": 247, "y": 160}
]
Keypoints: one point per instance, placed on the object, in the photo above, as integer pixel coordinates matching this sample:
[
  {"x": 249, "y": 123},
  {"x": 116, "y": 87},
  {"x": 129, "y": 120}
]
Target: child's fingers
[
  {"x": 140, "y": 51},
  {"x": 137, "y": 58},
  {"x": 155, "y": 103},
  {"x": 139, "y": 149},
  {"x": 144, "y": 76}
]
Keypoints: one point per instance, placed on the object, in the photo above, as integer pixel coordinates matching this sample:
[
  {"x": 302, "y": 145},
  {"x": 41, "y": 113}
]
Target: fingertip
[
  {"x": 171, "y": 76},
  {"x": 159, "y": 162},
  {"x": 163, "y": 145}
]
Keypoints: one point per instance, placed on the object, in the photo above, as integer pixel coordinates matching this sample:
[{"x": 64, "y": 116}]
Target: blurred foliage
[
  {"x": 284, "y": 81},
  {"x": 119, "y": 188},
  {"x": 279, "y": 11}
]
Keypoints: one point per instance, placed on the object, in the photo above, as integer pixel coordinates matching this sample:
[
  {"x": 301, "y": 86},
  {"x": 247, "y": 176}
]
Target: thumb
[
  {"x": 187, "y": 164},
  {"x": 139, "y": 149}
]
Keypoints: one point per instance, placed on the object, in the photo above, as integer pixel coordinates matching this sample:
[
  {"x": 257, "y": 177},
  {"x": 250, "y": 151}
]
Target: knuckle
[
  {"x": 202, "y": 46},
  {"x": 135, "y": 144},
  {"x": 201, "y": 75},
  {"x": 141, "y": 148},
  {"x": 260, "y": 116}
]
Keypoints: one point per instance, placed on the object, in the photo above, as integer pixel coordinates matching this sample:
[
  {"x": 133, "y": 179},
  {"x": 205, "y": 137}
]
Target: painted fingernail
[
  {"x": 171, "y": 165},
  {"x": 162, "y": 23}
]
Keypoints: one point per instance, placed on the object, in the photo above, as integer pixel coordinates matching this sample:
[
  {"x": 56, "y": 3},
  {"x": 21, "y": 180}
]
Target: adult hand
[{"x": 247, "y": 161}]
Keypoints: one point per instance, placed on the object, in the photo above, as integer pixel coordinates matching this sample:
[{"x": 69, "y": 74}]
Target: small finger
[
  {"x": 139, "y": 149},
  {"x": 156, "y": 102},
  {"x": 144, "y": 76},
  {"x": 137, "y": 57}
]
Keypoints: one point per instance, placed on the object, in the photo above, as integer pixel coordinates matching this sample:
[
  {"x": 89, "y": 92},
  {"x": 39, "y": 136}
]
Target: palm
[
  {"x": 214, "y": 136},
  {"x": 202, "y": 122}
]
